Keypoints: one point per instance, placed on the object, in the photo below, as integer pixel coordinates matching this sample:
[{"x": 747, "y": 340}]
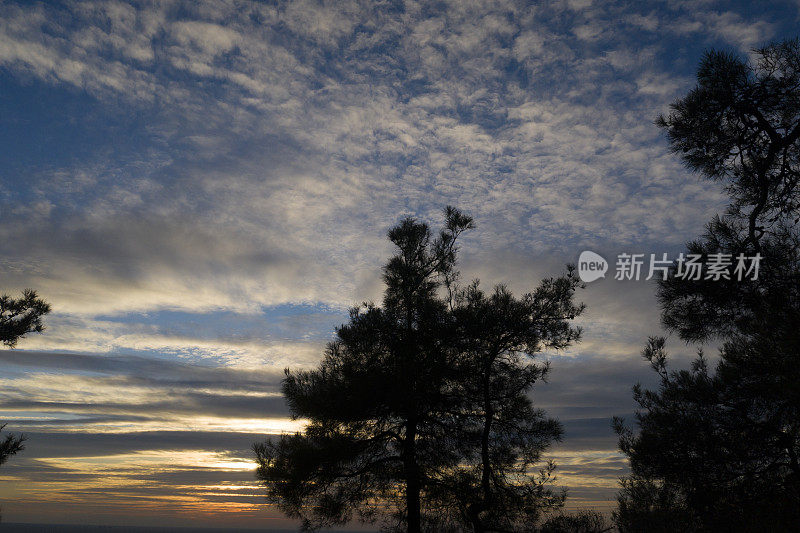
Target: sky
[{"x": 202, "y": 189}]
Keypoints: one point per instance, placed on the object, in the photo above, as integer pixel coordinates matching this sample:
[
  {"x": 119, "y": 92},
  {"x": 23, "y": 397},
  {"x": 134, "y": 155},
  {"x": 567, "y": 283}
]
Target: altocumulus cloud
[{"x": 201, "y": 189}]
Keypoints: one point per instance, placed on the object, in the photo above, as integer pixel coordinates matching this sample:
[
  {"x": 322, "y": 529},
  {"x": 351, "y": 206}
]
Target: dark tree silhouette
[
  {"x": 703, "y": 310},
  {"x": 502, "y": 434},
  {"x": 419, "y": 414},
  {"x": 583, "y": 521},
  {"x": 718, "y": 450},
  {"x": 10, "y": 445},
  {"x": 21, "y": 316},
  {"x": 18, "y": 317},
  {"x": 741, "y": 124},
  {"x": 651, "y": 505},
  {"x": 378, "y": 404}
]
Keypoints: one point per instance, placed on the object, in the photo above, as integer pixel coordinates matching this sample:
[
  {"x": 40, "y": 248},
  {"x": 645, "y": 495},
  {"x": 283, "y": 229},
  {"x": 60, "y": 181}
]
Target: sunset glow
[{"x": 201, "y": 190}]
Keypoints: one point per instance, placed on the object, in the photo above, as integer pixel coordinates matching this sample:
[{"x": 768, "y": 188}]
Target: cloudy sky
[{"x": 202, "y": 189}]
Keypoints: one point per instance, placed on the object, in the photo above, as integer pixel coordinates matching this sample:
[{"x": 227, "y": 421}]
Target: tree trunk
[
  {"x": 486, "y": 473},
  {"x": 487, "y": 429},
  {"x": 413, "y": 484}
]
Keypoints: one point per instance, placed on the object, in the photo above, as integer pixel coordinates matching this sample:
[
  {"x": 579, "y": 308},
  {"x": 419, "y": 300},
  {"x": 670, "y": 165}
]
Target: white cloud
[{"x": 281, "y": 142}]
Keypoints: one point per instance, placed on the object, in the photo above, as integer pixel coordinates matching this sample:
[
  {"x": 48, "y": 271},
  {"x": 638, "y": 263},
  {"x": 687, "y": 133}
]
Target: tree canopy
[
  {"x": 418, "y": 415},
  {"x": 20, "y": 316},
  {"x": 717, "y": 449},
  {"x": 741, "y": 124},
  {"x": 503, "y": 433}
]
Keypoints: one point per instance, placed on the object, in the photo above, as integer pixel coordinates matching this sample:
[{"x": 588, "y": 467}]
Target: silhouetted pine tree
[
  {"x": 718, "y": 450},
  {"x": 497, "y": 486},
  {"x": 18, "y": 317},
  {"x": 418, "y": 414},
  {"x": 377, "y": 405}
]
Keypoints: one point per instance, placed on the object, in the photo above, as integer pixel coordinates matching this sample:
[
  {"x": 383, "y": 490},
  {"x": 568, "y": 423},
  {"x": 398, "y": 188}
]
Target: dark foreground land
[{"x": 72, "y": 528}]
